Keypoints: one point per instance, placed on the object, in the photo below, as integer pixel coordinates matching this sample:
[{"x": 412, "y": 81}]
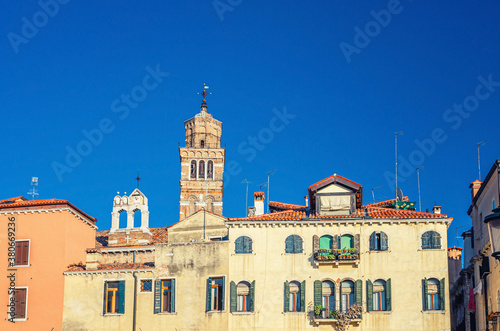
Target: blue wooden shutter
[
  {"x": 172, "y": 296},
  {"x": 238, "y": 243},
  {"x": 384, "y": 241},
  {"x": 289, "y": 245},
  {"x": 223, "y": 293},
  {"x": 157, "y": 302},
  {"x": 298, "y": 244},
  {"x": 373, "y": 241},
  {"x": 437, "y": 240},
  {"x": 248, "y": 245},
  {"x": 441, "y": 294},
  {"x": 209, "y": 293},
  {"x": 287, "y": 296},
  {"x": 104, "y": 298},
  {"x": 318, "y": 292},
  {"x": 121, "y": 298},
  {"x": 232, "y": 297},
  {"x": 369, "y": 295},
  {"x": 252, "y": 296},
  {"x": 303, "y": 296},
  {"x": 425, "y": 241},
  {"x": 388, "y": 300}
]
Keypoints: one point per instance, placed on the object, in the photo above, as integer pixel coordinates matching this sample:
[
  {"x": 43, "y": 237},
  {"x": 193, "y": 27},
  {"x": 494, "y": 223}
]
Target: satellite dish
[{"x": 399, "y": 194}]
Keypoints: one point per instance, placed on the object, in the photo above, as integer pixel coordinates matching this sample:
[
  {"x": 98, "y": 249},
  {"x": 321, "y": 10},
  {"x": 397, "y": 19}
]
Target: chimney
[
  {"x": 251, "y": 211},
  {"x": 454, "y": 264},
  {"x": 306, "y": 198},
  {"x": 474, "y": 186},
  {"x": 93, "y": 259},
  {"x": 259, "y": 198},
  {"x": 436, "y": 209}
]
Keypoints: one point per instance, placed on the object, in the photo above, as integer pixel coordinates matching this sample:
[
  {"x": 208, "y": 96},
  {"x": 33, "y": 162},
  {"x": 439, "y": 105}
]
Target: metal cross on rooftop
[
  {"x": 138, "y": 178},
  {"x": 204, "y": 93}
]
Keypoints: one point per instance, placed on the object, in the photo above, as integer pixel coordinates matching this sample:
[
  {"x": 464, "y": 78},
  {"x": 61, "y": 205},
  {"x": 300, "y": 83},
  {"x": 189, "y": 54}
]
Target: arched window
[
  {"x": 243, "y": 245},
  {"x": 193, "y": 169},
  {"x": 347, "y": 298},
  {"x": 202, "y": 144},
  {"x": 192, "y": 205},
  {"x": 210, "y": 170},
  {"x": 433, "y": 294},
  {"x": 137, "y": 218},
  {"x": 325, "y": 242},
  {"x": 431, "y": 240},
  {"x": 294, "y": 298},
  {"x": 190, "y": 135},
  {"x": 346, "y": 241},
  {"x": 379, "y": 241},
  {"x": 379, "y": 295},
  {"x": 293, "y": 244},
  {"x": 327, "y": 298},
  {"x": 122, "y": 220},
  {"x": 201, "y": 170},
  {"x": 243, "y": 293}
]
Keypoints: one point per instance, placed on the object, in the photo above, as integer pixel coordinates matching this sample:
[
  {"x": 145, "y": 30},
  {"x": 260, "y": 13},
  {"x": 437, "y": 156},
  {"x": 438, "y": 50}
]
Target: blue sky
[{"x": 347, "y": 91}]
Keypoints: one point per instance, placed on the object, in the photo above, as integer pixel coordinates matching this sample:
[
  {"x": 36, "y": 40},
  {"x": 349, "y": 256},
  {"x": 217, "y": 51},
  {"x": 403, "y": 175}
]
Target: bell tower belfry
[{"x": 202, "y": 164}]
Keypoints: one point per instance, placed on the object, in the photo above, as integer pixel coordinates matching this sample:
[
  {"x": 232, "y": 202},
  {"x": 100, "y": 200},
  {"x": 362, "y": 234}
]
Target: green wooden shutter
[
  {"x": 425, "y": 241},
  {"x": 287, "y": 296},
  {"x": 121, "y": 298},
  {"x": 384, "y": 241},
  {"x": 209, "y": 293},
  {"x": 252, "y": 296},
  {"x": 424, "y": 293},
  {"x": 373, "y": 241},
  {"x": 157, "y": 302},
  {"x": 356, "y": 242},
  {"x": 232, "y": 297},
  {"x": 317, "y": 292},
  {"x": 172, "y": 296},
  {"x": 336, "y": 242},
  {"x": 315, "y": 243},
  {"x": 223, "y": 293},
  {"x": 297, "y": 246},
  {"x": 104, "y": 299},
  {"x": 289, "y": 245},
  {"x": 437, "y": 240},
  {"x": 369, "y": 295},
  {"x": 238, "y": 245},
  {"x": 340, "y": 296},
  {"x": 358, "y": 299},
  {"x": 388, "y": 299},
  {"x": 303, "y": 296},
  {"x": 441, "y": 294}
]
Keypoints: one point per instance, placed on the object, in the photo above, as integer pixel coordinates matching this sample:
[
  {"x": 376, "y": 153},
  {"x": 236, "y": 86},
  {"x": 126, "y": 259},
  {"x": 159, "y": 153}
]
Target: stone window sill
[{"x": 243, "y": 313}]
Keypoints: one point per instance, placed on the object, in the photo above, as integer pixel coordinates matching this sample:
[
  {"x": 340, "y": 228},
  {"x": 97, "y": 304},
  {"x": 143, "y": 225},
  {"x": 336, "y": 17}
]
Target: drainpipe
[{"x": 134, "y": 274}]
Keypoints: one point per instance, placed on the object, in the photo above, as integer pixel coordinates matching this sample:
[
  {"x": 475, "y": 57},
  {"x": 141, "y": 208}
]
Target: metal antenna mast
[
  {"x": 246, "y": 200},
  {"x": 268, "y": 184},
  {"x": 479, "y": 158},
  {"x": 373, "y": 194},
  {"x": 418, "y": 183},
  {"x": 396, "y": 153},
  {"x": 34, "y": 183}
]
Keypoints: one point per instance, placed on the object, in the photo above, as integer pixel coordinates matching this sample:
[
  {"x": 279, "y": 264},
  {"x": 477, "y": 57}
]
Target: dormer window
[{"x": 335, "y": 195}]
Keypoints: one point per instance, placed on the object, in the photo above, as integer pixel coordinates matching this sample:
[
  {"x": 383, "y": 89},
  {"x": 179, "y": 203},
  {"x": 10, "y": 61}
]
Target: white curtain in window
[{"x": 335, "y": 202}]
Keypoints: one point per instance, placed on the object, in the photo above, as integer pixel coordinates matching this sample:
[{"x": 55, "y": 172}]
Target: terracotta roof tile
[
  {"x": 160, "y": 235},
  {"x": 114, "y": 266},
  {"x": 285, "y": 206}
]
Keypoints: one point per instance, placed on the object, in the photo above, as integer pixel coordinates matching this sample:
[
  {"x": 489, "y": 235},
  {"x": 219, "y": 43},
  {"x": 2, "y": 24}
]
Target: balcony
[
  {"x": 337, "y": 317},
  {"x": 336, "y": 256}
]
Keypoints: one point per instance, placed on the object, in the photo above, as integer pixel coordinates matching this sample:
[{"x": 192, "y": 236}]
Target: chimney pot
[
  {"x": 259, "y": 198},
  {"x": 306, "y": 198},
  {"x": 475, "y": 186},
  {"x": 436, "y": 209}
]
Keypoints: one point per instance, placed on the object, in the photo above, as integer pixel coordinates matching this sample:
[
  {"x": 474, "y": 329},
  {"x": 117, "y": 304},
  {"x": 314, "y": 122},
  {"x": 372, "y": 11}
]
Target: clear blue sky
[{"x": 69, "y": 74}]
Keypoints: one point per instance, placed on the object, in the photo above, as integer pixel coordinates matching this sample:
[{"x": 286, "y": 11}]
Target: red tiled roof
[
  {"x": 385, "y": 203},
  {"x": 285, "y": 206},
  {"x": 313, "y": 186},
  {"x": 114, "y": 266},
  {"x": 379, "y": 212},
  {"x": 21, "y": 202},
  {"x": 258, "y": 194},
  {"x": 289, "y": 215},
  {"x": 160, "y": 235}
]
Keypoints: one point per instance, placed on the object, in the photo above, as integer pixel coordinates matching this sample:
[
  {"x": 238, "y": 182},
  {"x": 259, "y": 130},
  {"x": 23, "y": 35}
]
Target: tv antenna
[
  {"x": 261, "y": 186},
  {"x": 246, "y": 204},
  {"x": 373, "y": 194},
  {"x": 396, "y": 134},
  {"x": 268, "y": 184},
  {"x": 34, "y": 184},
  {"x": 479, "y": 158},
  {"x": 418, "y": 184}
]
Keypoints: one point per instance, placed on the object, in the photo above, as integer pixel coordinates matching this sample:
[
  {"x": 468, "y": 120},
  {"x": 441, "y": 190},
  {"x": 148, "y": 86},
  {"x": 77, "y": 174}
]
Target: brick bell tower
[{"x": 202, "y": 164}]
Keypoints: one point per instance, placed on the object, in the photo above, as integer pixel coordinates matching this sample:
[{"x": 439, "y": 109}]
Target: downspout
[{"x": 134, "y": 274}]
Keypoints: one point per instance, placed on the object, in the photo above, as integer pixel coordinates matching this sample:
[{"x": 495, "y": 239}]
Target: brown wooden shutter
[
  {"x": 20, "y": 302},
  {"x": 26, "y": 249}
]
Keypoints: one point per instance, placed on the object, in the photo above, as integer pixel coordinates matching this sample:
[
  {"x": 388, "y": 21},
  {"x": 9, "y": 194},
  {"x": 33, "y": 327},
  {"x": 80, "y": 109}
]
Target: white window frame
[
  {"x": 26, "y": 308},
  {"x": 29, "y": 254}
]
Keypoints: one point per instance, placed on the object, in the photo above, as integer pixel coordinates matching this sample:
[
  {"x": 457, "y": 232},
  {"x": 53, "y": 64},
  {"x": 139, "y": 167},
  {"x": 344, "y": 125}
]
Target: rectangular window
[
  {"x": 166, "y": 296},
  {"x": 146, "y": 285},
  {"x": 20, "y": 298},
  {"x": 22, "y": 252},
  {"x": 217, "y": 294},
  {"x": 114, "y": 297}
]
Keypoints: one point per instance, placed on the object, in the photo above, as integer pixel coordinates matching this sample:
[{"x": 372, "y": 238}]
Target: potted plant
[
  {"x": 317, "y": 310},
  {"x": 333, "y": 314}
]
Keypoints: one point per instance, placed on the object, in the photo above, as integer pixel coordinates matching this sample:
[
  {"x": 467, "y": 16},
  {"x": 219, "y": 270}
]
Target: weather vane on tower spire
[{"x": 204, "y": 94}]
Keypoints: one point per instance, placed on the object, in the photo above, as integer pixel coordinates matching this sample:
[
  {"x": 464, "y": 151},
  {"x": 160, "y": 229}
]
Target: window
[
  {"x": 492, "y": 204},
  {"x": 164, "y": 296},
  {"x": 431, "y": 240},
  {"x": 22, "y": 252},
  {"x": 243, "y": 245},
  {"x": 146, "y": 285},
  {"x": 346, "y": 241},
  {"x": 347, "y": 294},
  {"x": 215, "y": 293},
  {"x": 114, "y": 297},
  {"x": 294, "y": 300},
  {"x": 378, "y": 295},
  {"x": 378, "y": 241},
  {"x": 325, "y": 242},
  {"x": 201, "y": 171},
  {"x": 193, "y": 169},
  {"x": 293, "y": 244},
  {"x": 327, "y": 298},
  {"x": 210, "y": 170},
  {"x": 242, "y": 296},
  {"x": 433, "y": 294},
  {"x": 18, "y": 312},
  {"x": 202, "y": 144}
]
